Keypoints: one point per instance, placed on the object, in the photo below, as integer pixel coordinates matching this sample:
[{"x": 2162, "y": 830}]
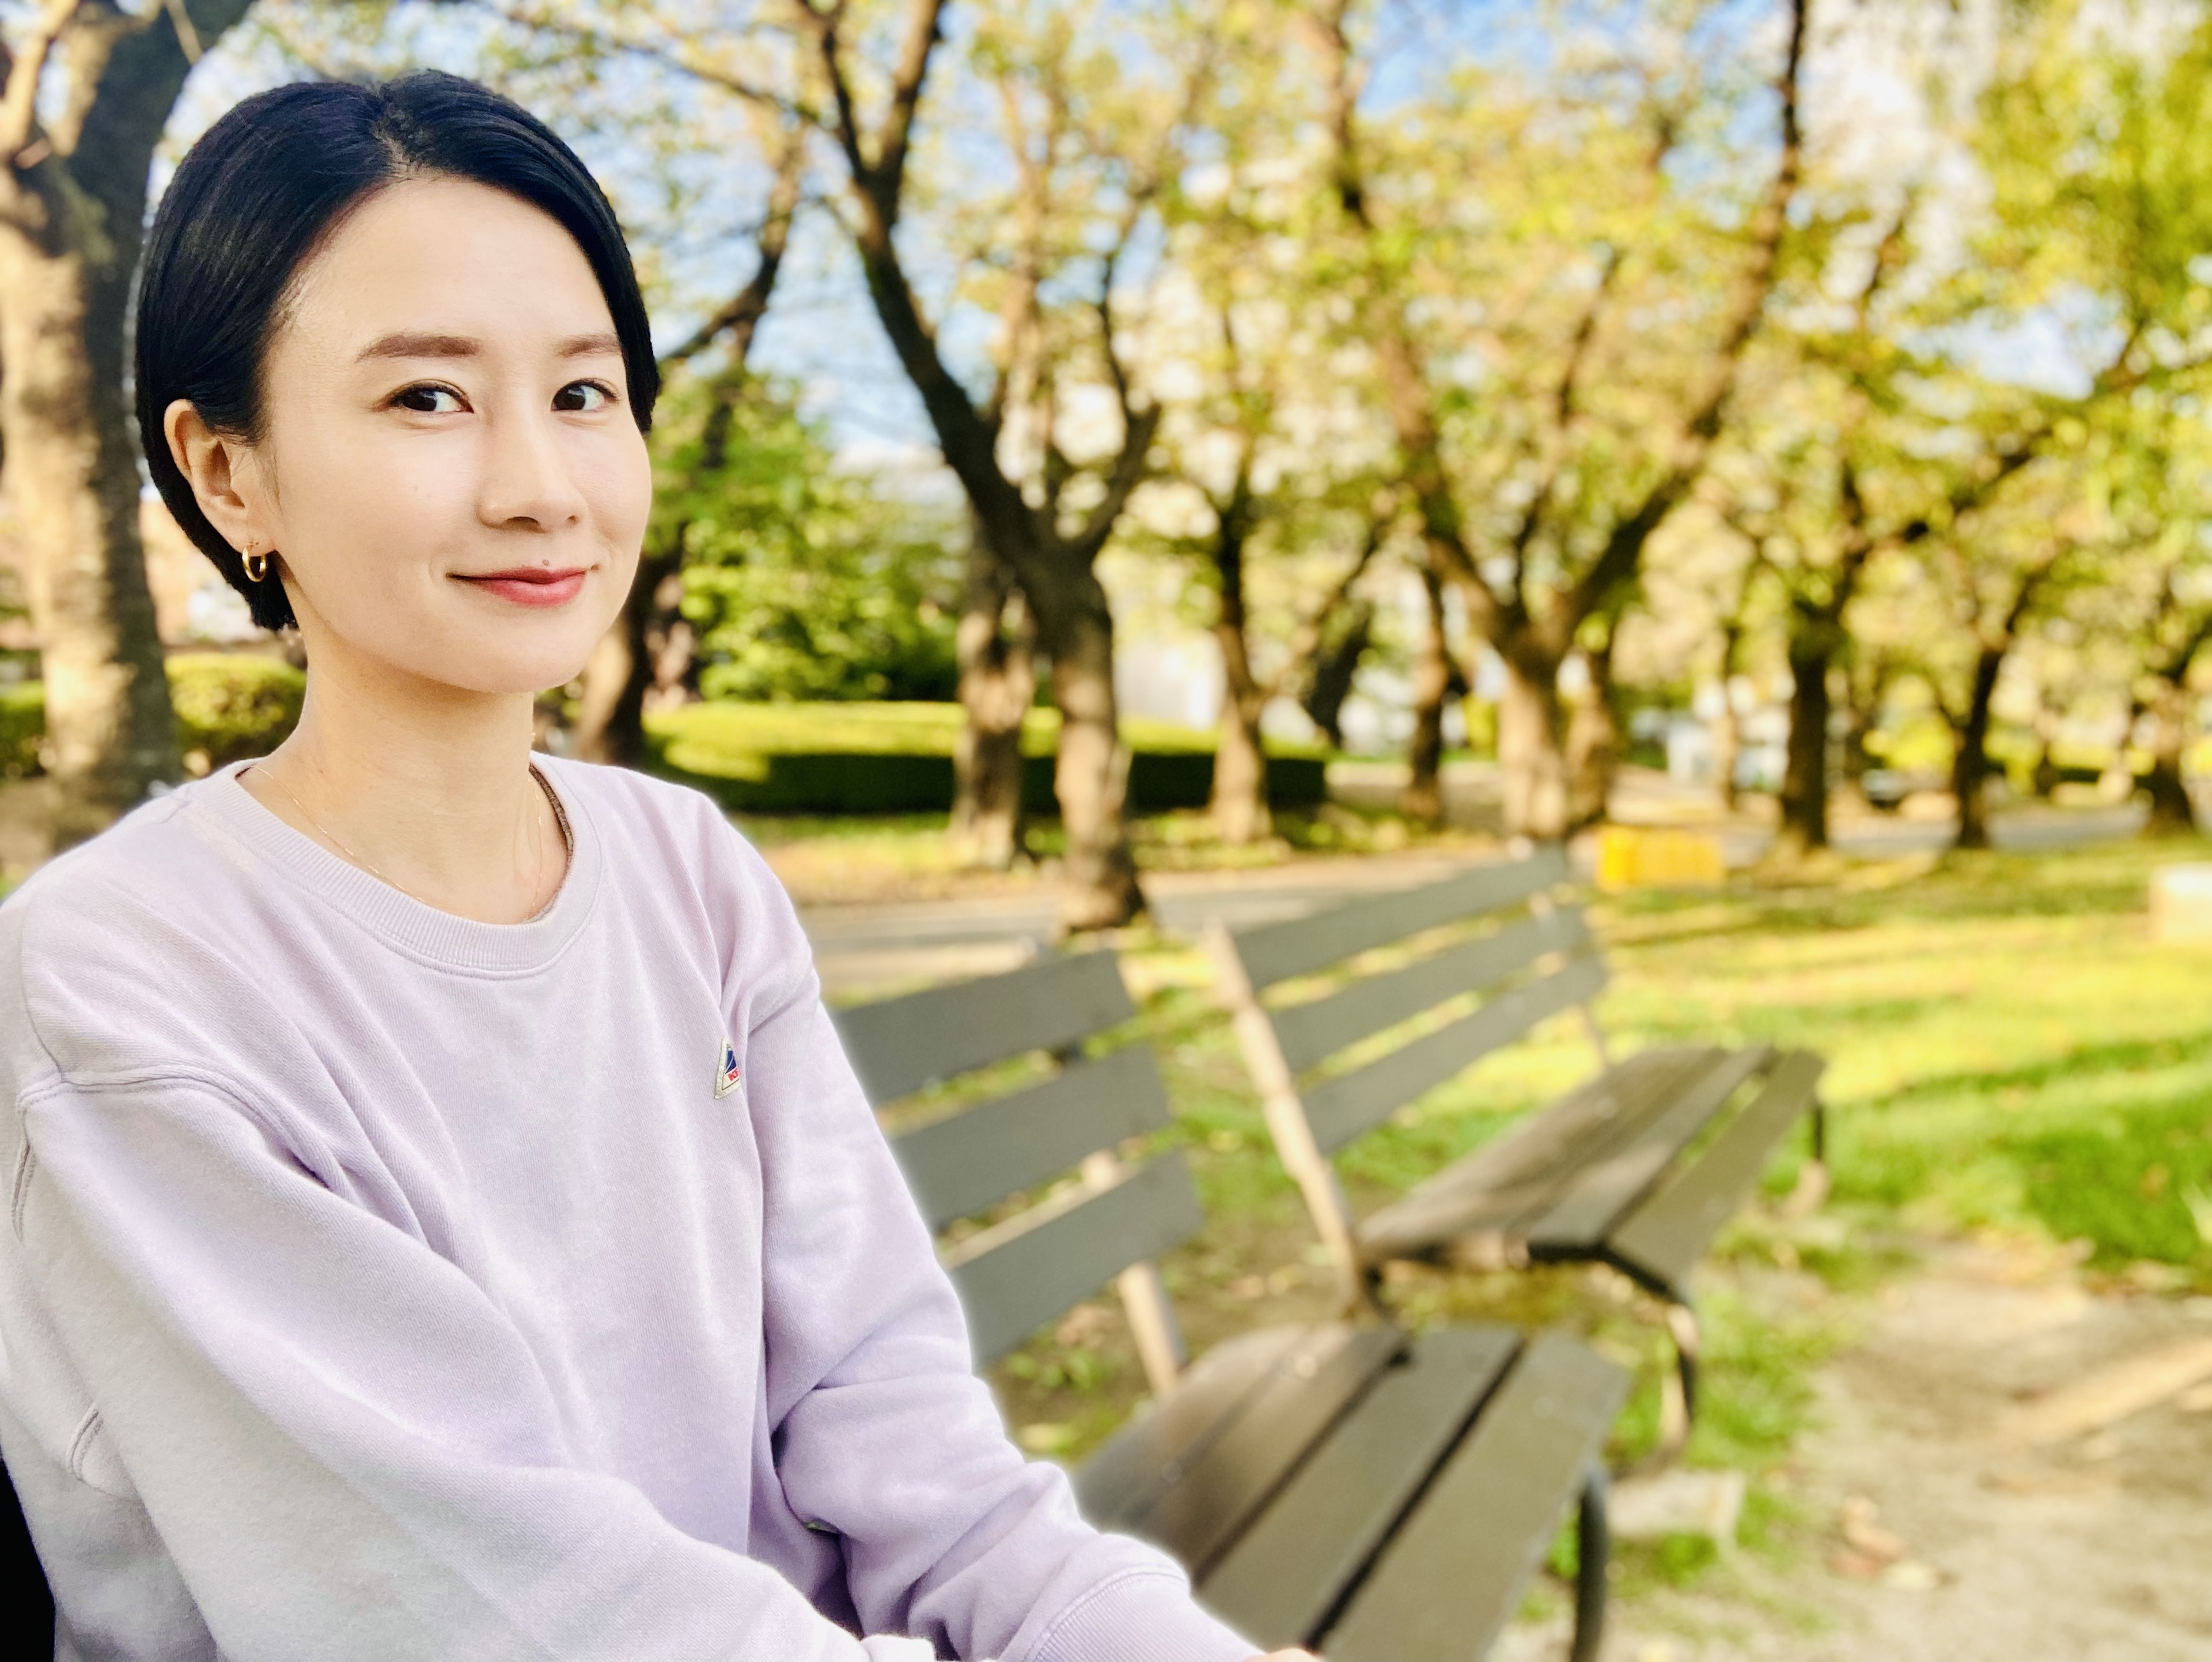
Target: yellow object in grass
[{"x": 1648, "y": 857}]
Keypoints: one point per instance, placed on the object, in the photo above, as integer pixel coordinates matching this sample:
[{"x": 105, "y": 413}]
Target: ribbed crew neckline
[{"x": 420, "y": 930}]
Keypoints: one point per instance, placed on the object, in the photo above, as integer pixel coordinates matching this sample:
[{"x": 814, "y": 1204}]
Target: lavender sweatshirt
[{"x": 384, "y": 1285}]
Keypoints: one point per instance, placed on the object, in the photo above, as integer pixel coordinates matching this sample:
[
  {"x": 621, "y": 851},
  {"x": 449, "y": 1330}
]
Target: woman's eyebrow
[
  {"x": 589, "y": 346},
  {"x": 425, "y": 344},
  {"x": 422, "y": 345}
]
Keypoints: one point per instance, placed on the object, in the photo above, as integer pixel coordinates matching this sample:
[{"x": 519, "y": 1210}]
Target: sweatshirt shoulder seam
[{"x": 112, "y": 1082}]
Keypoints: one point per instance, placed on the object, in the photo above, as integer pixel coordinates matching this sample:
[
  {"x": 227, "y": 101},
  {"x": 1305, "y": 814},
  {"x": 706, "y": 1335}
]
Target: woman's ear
[{"x": 223, "y": 472}]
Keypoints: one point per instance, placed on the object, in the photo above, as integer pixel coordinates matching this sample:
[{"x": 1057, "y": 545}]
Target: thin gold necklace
[{"x": 538, "y": 878}]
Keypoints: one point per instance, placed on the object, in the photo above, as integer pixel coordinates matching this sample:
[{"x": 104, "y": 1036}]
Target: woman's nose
[{"x": 528, "y": 483}]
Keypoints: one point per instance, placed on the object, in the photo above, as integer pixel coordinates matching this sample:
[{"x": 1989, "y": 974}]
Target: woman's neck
[{"x": 427, "y": 787}]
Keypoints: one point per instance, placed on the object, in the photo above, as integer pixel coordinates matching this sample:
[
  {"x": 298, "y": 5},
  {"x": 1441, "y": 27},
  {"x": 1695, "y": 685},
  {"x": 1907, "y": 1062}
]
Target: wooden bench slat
[
  {"x": 1133, "y": 1468},
  {"x": 1341, "y": 1109},
  {"x": 1625, "y": 1172},
  {"x": 1518, "y": 1175},
  {"x": 968, "y": 1160},
  {"x": 1298, "y": 946},
  {"x": 1208, "y": 1500},
  {"x": 1665, "y": 1235},
  {"x": 1452, "y": 1576},
  {"x": 901, "y": 1044},
  {"x": 1287, "y": 1571},
  {"x": 1310, "y": 1032},
  {"x": 1013, "y": 1279}
]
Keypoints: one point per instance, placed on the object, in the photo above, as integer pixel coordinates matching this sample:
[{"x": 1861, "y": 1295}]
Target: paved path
[
  {"x": 878, "y": 945},
  {"x": 862, "y": 948}
]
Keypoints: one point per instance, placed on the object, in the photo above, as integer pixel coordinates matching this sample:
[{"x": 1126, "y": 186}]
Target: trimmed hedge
[
  {"x": 229, "y": 706},
  {"x": 22, "y": 725},
  {"x": 233, "y": 705},
  {"x": 897, "y": 759}
]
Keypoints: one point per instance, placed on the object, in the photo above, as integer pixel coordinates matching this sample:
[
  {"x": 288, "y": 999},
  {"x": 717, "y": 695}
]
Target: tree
[
  {"x": 643, "y": 651},
  {"x": 2175, "y": 636},
  {"x": 1047, "y": 543},
  {"x": 798, "y": 582},
  {"x": 88, "y": 90},
  {"x": 1585, "y": 497}
]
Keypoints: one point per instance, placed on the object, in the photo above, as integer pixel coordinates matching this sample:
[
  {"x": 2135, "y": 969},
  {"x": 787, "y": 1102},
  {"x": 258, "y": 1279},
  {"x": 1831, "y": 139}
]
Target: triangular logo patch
[{"x": 726, "y": 1078}]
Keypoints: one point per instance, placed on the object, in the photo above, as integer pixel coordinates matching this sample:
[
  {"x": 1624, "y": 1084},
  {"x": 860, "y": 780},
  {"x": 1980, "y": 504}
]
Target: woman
[{"x": 444, "y": 1224}]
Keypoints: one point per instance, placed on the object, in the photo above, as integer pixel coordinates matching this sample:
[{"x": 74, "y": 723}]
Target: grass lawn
[{"x": 2010, "y": 1051}]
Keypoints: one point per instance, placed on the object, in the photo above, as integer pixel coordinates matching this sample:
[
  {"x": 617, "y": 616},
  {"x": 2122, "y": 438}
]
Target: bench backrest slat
[
  {"x": 1107, "y": 1224},
  {"x": 1276, "y": 951},
  {"x": 1311, "y": 1032},
  {"x": 1341, "y": 1108},
  {"x": 902, "y": 1045},
  {"x": 1015, "y": 1278},
  {"x": 971, "y": 1159}
]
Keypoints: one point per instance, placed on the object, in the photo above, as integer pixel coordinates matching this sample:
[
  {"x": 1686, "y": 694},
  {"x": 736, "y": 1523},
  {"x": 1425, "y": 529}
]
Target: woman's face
[{"x": 450, "y": 471}]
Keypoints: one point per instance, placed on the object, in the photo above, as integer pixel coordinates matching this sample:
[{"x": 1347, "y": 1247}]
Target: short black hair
[{"x": 264, "y": 188}]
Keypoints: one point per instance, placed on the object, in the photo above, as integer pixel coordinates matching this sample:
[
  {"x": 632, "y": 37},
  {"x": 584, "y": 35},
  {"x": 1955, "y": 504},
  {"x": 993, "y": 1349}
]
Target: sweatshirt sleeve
[
  {"x": 341, "y": 1443},
  {"x": 882, "y": 1432}
]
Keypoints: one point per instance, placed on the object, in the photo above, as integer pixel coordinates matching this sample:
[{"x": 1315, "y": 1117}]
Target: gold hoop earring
[{"x": 256, "y": 566}]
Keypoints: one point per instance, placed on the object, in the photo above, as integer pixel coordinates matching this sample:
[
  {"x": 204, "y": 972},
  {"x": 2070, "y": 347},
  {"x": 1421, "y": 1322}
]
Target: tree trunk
[
  {"x": 1805, "y": 768},
  {"x": 1969, "y": 765},
  {"x": 1336, "y": 665},
  {"x": 1090, "y": 774},
  {"x": 1423, "y": 798},
  {"x": 1727, "y": 748},
  {"x": 998, "y": 683},
  {"x": 1530, "y": 764},
  {"x": 2172, "y": 812},
  {"x": 1239, "y": 804},
  {"x": 610, "y": 721},
  {"x": 73, "y": 480},
  {"x": 1593, "y": 741},
  {"x": 629, "y": 666},
  {"x": 73, "y": 197}
]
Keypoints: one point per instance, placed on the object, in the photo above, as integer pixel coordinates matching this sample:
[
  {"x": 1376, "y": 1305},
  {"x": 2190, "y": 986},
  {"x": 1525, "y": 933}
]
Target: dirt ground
[{"x": 2008, "y": 1467}]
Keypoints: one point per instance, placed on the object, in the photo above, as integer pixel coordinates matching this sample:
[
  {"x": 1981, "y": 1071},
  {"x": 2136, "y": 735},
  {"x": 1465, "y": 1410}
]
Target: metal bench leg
[
  {"x": 1813, "y": 1180},
  {"x": 1678, "y": 1393},
  {"x": 1594, "y": 1551}
]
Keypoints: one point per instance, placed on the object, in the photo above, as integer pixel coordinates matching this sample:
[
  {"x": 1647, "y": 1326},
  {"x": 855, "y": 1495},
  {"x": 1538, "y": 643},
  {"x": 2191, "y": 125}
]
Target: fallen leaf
[{"x": 1867, "y": 1537}]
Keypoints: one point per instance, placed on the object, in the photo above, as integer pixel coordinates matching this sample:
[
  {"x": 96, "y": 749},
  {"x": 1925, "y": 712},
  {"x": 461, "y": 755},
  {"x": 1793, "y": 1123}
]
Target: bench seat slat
[
  {"x": 1287, "y": 1571},
  {"x": 1665, "y": 1235},
  {"x": 968, "y": 1160},
  {"x": 1308, "y": 1032},
  {"x": 1341, "y": 1109},
  {"x": 901, "y": 1044},
  {"x": 1203, "y": 1502},
  {"x": 1452, "y": 1576},
  {"x": 1276, "y": 951},
  {"x": 1013, "y": 1279},
  {"x": 1579, "y": 1223},
  {"x": 1519, "y": 1174}
]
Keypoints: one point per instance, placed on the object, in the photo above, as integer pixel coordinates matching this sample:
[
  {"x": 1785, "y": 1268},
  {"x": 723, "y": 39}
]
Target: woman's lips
[{"x": 533, "y": 585}]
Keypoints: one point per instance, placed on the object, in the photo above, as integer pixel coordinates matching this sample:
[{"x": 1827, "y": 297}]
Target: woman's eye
[
  {"x": 428, "y": 400},
  {"x": 584, "y": 395}
]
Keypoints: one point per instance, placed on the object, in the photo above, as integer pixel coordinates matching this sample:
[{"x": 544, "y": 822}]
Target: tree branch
[
  {"x": 741, "y": 316},
  {"x": 19, "y": 104},
  {"x": 1624, "y": 546},
  {"x": 686, "y": 62}
]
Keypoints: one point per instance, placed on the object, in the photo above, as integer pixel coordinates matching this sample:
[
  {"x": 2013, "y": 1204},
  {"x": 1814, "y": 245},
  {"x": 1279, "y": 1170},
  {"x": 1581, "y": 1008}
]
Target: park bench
[
  {"x": 1637, "y": 1167},
  {"x": 1383, "y": 1495}
]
